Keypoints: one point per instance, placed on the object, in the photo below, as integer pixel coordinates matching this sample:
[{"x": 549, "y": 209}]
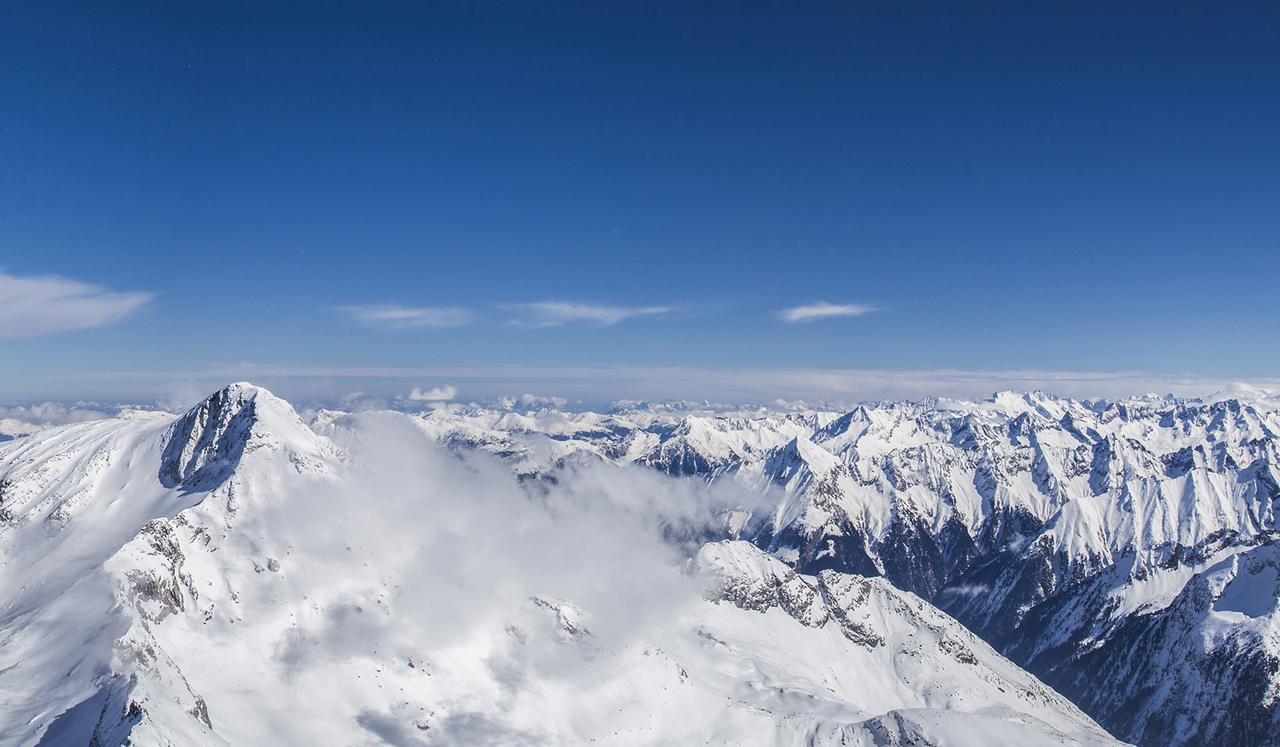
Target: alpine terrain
[
  {"x": 1123, "y": 552},
  {"x": 934, "y": 572},
  {"x": 237, "y": 575}
]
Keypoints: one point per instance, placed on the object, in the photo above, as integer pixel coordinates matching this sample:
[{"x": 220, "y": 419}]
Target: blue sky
[{"x": 295, "y": 190}]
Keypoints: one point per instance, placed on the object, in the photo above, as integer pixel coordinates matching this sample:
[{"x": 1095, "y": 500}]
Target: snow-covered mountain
[
  {"x": 1122, "y": 551},
  {"x": 234, "y": 575}
]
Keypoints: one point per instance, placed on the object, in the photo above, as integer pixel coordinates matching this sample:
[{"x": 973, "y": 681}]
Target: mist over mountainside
[
  {"x": 235, "y": 575},
  {"x": 1123, "y": 551},
  {"x": 24, "y": 419}
]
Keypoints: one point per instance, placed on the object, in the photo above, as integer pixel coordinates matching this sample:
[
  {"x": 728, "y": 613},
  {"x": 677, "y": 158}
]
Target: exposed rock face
[
  {"x": 202, "y": 449},
  {"x": 1150, "y": 672},
  {"x": 754, "y": 581}
]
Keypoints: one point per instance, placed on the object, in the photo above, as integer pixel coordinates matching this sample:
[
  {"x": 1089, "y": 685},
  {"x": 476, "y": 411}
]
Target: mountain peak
[{"x": 203, "y": 447}]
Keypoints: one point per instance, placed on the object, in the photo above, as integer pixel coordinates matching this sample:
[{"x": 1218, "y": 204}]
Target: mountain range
[
  {"x": 1020, "y": 570},
  {"x": 1122, "y": 551}
]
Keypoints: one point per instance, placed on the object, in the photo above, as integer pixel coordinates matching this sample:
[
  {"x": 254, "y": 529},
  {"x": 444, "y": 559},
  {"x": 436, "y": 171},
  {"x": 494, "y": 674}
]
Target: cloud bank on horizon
[
  {"x": 600, "y": 386},
  {"x": 37, "y": 306}
]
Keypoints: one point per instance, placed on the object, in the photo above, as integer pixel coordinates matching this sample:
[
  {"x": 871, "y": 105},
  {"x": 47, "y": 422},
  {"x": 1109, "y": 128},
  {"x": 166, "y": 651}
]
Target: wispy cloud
[
  {"x": 822, "y": 310},
  {"x": 391, "y": 316},
  {"x": 434, "y": 394},
  {"x": 35, "y": 306},
  {"x": 562, "y": 313}
]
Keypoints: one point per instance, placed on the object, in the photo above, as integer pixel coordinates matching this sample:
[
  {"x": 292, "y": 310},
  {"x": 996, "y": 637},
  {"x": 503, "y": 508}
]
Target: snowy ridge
[
  {"x": 897, "y": 637},
  {"x": 203, "y": 447}
]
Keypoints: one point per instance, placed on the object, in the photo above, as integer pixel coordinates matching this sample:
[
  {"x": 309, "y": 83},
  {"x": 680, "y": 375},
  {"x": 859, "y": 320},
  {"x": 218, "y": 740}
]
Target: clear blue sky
[{"x": 1078, "y": 187}]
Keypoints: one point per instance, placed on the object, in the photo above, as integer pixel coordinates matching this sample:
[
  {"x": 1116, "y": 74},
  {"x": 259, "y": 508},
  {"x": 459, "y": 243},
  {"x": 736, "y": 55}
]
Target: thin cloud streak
[
  {"x": 36, "y": 306},
  {"x": 823, "y": 310},
  {"x": 392, "y": 316},
  {"x": 563, "y": 313}
]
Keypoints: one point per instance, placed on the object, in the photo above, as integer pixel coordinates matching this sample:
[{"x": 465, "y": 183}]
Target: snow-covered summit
[{"x": 203, "y": 446}]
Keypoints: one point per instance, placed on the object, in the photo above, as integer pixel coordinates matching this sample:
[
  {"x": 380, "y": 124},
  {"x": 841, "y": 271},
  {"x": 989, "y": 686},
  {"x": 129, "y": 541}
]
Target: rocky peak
[{"x": 203, "y": 447}]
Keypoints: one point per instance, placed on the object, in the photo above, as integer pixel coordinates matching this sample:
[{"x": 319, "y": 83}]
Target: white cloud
[
  {"x": 535, "y": 400},
  {"x": 35, "y": 306},
  {"x": 823, "y": 310},
  {"x": 561, "y": 313},
  {"x": 968, "y": 591},
  {"x": 437, "y": 509},
  {"x": 434, "y": 394},
  {"x": 19, "y": 420},
  {"x": 532, "y": 402},
  {"x": 391, "y": 316}
]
